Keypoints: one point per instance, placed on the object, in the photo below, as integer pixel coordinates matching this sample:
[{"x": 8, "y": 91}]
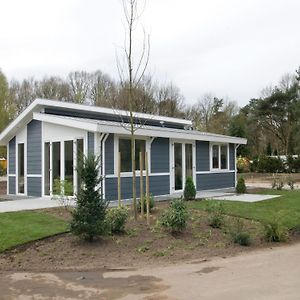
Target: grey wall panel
[
  {"x": 160, "y": 155},
  {"x": 12, "y": 156},
  {"x": 159, "y": 185},
  {"x": 34, "y": 186},
  {"x": 231, "y": 156},
  {"x": 34, "y": 147},
  {"x": 11, "y": 184},
  {"x": 202, "y": 156},
  {"x": 215, "y": 181},
  {"x": 109, "y": 155},
  {"x": 91, "y": 143}
]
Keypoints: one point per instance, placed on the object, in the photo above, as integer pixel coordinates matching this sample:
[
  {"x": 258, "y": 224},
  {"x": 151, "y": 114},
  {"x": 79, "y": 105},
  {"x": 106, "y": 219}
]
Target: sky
[{"x": 230, "y": 48}]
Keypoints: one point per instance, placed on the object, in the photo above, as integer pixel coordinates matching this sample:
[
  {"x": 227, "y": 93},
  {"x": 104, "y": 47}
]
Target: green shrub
[
  {"x": 239, "y": 235},
  {"x": 116, "y": 218},
  {"x": 151, "y": 203},
  {"x": 268, "y": 164},
  {"x": 175, "y": 217},
  {"x": 275, "y": 231},
  {"x": 189, "y": 192},
  {"x": 216, "y": 214},
  {"x": 90, "y": 213},
  {"x": 241, "y": 186}
]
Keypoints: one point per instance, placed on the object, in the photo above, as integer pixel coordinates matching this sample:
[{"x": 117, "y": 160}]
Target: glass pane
[
  {"x": 189, "y": 160},
  {"x": 69, "y": 167},
  {"x": 178, "y": 166},
  {"x": 124, "y": 148},
  {"x": 55, "y": 165},
  {"x": 79, "y": 145},
  {"x": 21, "y": 168},
  {"x": 223, "y": 157},
  {"x": 140, "y": 146},
  {"x": 215, "y": 157},
  {"x": 47, "y": 169}
]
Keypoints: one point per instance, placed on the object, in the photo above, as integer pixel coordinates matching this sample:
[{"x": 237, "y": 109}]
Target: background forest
[{"x": 271, "y": 123}]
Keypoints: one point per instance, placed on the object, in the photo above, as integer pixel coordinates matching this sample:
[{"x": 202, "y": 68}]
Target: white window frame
[
  {"x": 116, "y": 150},
  {"x": 212, "y": 169}
]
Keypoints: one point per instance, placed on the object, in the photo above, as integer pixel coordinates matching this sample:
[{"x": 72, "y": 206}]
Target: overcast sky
[{"x": 232, "y": 48}]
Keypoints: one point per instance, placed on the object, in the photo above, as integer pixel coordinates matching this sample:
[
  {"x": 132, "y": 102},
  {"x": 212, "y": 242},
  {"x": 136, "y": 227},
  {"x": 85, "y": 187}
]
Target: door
[
  {"x": 183, "y": 165},
  {"x": 178, "y": 175}
]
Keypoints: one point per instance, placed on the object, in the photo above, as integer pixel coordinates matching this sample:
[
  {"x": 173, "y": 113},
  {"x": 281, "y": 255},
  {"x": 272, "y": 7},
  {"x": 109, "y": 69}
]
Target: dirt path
[{"x": 267, "y": 274}]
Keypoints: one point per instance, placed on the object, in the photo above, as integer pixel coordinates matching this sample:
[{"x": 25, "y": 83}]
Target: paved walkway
[{"x": 262, "y": 275}]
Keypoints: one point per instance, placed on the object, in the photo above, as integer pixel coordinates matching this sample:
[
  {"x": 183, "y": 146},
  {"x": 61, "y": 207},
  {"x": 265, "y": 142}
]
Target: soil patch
[{"x": 139, "y": 246}]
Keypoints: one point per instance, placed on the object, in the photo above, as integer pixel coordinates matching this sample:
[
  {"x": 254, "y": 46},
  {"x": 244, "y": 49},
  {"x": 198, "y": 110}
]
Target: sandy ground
[{"x": 264, "y": 274}]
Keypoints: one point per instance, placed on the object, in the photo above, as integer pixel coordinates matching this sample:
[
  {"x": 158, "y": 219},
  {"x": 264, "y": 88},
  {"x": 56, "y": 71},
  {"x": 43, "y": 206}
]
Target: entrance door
[
  {"x": 182, "y": 164},
  {"x": 178, "y": 175}
]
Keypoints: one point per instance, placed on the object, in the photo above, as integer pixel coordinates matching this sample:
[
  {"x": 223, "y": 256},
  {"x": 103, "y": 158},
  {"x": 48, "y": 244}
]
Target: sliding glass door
[{"x": 182, "y": 164}]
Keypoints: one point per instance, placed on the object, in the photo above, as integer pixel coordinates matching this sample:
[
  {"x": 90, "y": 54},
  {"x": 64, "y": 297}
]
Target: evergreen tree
[{"x": 89, "y": 216}]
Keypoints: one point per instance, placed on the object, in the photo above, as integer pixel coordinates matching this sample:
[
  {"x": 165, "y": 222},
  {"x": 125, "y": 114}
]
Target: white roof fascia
[
  {"x": 117, "y": 128},
  {"x": 64, "y": 121},
  {"x": 105, "y": 110}
]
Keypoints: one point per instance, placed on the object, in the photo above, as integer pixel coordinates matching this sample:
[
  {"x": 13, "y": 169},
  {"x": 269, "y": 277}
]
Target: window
[
  {"x": 220, "y": 157},
  {"x": 125, "y": 149},
  {"x": 215, "y": 156},
  {"x": 224, "y": 157}
]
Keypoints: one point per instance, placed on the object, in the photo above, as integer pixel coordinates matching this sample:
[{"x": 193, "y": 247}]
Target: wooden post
[
  {"x": 147, "y": 189},
  {"x": 141, "y": 184},
  {"x": 119, "y": 179}
]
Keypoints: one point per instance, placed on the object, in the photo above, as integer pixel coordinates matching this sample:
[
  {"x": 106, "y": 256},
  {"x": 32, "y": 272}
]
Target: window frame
[
  {"x": 117, "y": 144},
  {"x": 219, "y": 169}
]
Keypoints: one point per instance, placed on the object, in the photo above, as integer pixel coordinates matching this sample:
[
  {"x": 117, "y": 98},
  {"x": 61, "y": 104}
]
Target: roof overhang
[
  {"x": 143, "y": 130},
  {"x": 37, "y": 106}
]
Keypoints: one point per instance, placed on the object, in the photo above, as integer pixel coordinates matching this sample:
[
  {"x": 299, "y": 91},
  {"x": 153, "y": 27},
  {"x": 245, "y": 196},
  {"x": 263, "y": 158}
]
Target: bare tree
[
  {"x": 80, "y": 85},
  {"x": 132, "y": 71}
]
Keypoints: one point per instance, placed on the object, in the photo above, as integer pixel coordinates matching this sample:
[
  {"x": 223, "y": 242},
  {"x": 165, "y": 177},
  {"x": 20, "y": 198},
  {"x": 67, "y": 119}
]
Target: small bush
[
  {"x": 241, "y": 186},
  {"x": 175, "y": 217},
  {"x": 275, "y": 231},
  {"x": 189, "y": 189},
  {"x": 216, "y": 214},
  {"x": 116, "y": 218},
  {"x": 239, "y": 234},
  {"x": 151, "y": 203}
]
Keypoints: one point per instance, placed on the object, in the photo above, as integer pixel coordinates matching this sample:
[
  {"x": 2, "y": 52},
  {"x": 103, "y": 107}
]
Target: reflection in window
[
  {"x": 55, "y": 164},
  {"x": 125, "y": 149},
  {"x": 223, "y": 157},
  {"x": 220, "y": 157},
  {"x": 69, "y": 167},
  {"x": 215, "y": 156},
  {"x": 189, "y": 160}
]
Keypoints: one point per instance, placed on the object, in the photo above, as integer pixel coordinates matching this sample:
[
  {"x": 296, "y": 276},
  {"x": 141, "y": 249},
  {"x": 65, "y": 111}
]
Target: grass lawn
[
  {"x": 20, "y": 227},
  {"x": 287, "y": 208}
]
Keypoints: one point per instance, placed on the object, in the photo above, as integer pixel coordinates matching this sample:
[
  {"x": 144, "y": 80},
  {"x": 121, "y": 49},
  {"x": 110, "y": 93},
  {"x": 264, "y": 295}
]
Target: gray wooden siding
[
  {"x": 34, "y": 186},
  {"x": 159, "y": 185},
  {"x": 160, "y": 160},
  {"x": 34, "y": 147},
  {"x": 231, "y": 156},
  {"x": 12, "y": 156},
  {"x": 202, "y": 156},
  {"x": 11, "y": 184},
  {"x": 91, "y": 143},
  {"x": 215, "y": 181},
  {"x": 109, "y": 155}
]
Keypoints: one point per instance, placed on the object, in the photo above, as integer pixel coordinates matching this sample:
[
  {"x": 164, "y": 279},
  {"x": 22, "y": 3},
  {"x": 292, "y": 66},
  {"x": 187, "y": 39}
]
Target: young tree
[
  {"x": 132, "y": 74},
  {"x": 89, "y": 215}
]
